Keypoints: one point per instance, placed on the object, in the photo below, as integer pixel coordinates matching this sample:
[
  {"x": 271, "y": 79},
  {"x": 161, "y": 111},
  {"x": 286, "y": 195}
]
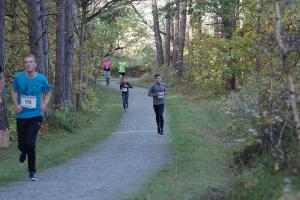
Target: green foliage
[
  {"x": 64, "y": 120},
  {"x": 147, "y": 54},
  {"x": 257, "y": 185},
  {"x": 123, "y": 32},
  {"x": 89, "y": 102},
  {"x": 216, "y": 58}
]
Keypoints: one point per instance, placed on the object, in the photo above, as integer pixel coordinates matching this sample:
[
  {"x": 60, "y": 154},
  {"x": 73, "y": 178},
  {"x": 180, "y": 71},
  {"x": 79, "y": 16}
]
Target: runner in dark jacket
[
  {"x": 158, "y": 92},
  {"x": 124, "y": 88}
]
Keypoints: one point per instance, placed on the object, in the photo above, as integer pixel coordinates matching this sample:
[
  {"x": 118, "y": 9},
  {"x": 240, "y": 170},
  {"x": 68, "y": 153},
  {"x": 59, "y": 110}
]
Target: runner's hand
[
  {"x": 19, "y": 108},
  {"x": 43, "y": 107}
]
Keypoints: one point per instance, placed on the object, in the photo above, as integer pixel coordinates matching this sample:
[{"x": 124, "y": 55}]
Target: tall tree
[
  {"x": 3, "y": 112},
  {"x": 190, "y": 39},
  {"x": 168, "y": 34},
  {"x": 158, "y": 40},
  {"x": 45, "y": 36},
  {"x": 285, "y": 50},
  {"x": 181, "y": 40},
  {"x": 35, "y": 22},
  {"x": 176, "y": 34},
  {"x": 60, "y": 53},
  {"x": 228, "y": 10},
  {"x": 69, "y": 45},
  {"x": 83, "y": 23},
  {"x": 172, "y": 39}
]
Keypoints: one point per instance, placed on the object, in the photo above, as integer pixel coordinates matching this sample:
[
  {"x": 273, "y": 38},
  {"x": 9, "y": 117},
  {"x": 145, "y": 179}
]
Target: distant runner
[
  {"x": 122, "y": 69},
  {"x": 124, "y": 88},
  {"x": 158, "y": 92},
  {"x": 31, "y": 95},
  {"x": 106, "y": 65}
]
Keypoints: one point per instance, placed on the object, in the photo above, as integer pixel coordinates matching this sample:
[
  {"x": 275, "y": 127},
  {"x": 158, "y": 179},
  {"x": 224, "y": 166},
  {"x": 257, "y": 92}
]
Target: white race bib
[
  {"x": 161, "y": 95},
  {"x": 124, "y": 89},
  {"x": 28, "y": 101}
]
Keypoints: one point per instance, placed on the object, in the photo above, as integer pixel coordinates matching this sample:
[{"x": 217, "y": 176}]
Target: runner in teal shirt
[
  {"x": 30, "y": 89},
  {"x": 31, "y": 96}
]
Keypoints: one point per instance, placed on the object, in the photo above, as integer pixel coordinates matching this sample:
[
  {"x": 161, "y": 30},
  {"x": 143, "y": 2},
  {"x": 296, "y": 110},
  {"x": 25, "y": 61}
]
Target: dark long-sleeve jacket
[
  {"x": 125, "y": 86},
  {"x": 157, "y": 91}
]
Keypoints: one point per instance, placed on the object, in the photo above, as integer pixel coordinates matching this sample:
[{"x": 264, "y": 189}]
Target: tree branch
[
  {"x": 143, "y": 20},
  {"x": 108, "y": 6},
  {"x": 278, "y": 28},
  {"x": 121, "y": 47}
]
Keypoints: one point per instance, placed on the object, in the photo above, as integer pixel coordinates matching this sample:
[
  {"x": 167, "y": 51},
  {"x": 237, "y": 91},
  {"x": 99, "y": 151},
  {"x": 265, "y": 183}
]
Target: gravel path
[{"x": 113, "y": 169}]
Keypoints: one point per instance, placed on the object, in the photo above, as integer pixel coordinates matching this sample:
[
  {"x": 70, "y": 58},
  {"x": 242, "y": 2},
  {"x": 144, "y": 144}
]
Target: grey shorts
[{"x": 107, "y": 74}]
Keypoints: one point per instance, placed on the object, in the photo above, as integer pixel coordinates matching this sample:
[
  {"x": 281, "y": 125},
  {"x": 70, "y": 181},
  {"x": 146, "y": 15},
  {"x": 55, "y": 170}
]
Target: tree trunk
[
  {"x": 45, "y": 41},
  {"x": 168, "y": 34},
  {"x": 81, "y": 56},
  {"x": 181, "y": 40},
  {"x": 229, "y": 25},
  {"x": 13, "y": 7},
  {"x": 290, "y": 81},
  {"x": 176, "y": 35},
  {"x": 199, "y": 29},
  {"x": 3, "y": 111},
  {"x": 190, "y": 40},
  {"x": 35, "y": 21},
  {"x": 69, "y": 45},
  {"x": 158, "y": 40},
  {"x": 13, "y": 30},
  {"x": 60, "y": 54}
]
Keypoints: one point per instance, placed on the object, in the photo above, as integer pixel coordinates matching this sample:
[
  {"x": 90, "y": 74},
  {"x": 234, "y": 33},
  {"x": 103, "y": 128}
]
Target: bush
[
  {"x": 64, "y": 120},
  {"x": 262, "y": 117}
]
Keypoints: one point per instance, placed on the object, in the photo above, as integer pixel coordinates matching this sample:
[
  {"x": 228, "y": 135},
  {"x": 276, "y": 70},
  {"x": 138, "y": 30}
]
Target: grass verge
[
  {"x": 199, "y": 169},
  {"x": 201, "y": 154},
  {"x": 59, "y": 146}
]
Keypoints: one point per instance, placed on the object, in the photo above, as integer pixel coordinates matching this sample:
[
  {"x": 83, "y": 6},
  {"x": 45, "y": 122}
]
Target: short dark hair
[
  {"x": 157, "y": 75},
  {"x": 30, "y": 56}
]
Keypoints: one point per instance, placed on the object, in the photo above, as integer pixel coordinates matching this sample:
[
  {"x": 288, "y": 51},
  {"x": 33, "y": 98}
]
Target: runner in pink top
[{"x": 106, "y": 65}]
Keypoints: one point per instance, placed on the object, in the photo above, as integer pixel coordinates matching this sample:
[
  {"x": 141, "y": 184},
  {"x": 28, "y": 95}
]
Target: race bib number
[
  {"x": 161, "y": 95},
  {"x": 124, "y": 89},
  {"x": 28, "y": 101}
]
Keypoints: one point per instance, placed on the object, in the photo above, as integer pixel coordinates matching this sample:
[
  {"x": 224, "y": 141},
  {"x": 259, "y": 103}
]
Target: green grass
[
  {"x": 262, "y": 182},
  {"x": 200, "y": 167},
  {"x": 200, "y": 154},
  {"x": 142, "y": 83},
  {"x": 257, "y": 184},
  {"x": 59, "y": 146}
]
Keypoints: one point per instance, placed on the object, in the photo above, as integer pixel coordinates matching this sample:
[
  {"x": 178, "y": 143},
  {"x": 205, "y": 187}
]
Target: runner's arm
[
  {"x": 151, "y": 92},
  {"x": 15, "y": 97},
  {"x": 46, "y": 98},
  {"x": 129, "y": 85}
]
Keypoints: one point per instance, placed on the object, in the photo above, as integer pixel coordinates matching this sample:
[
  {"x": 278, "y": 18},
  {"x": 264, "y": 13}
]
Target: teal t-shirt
[{"x": 30, "y": 91}]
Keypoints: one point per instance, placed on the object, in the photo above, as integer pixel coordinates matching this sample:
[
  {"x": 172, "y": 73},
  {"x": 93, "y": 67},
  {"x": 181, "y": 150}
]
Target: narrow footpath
[{"x": 113, "y": 169}]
